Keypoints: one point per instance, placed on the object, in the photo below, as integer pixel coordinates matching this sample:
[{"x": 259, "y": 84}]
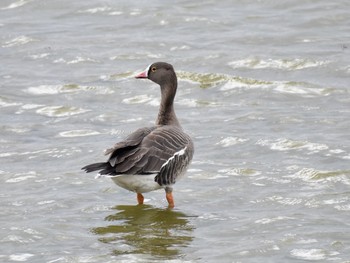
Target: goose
[{"x": 154, "y": 157}]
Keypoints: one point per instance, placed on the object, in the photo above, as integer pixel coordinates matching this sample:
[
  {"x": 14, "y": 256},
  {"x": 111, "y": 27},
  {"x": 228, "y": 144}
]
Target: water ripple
[
  {"x": 139, "y": 99},
  {"x": 21, "y": 257},
  {"x": 95, "y": 10},
  {"x": 314, "y": 174},
  {"x": 22, "y": 177},
  {"x": 52, "y": 152},
  {"x": 283, "y": 64},
  {"x": 284, "y": 144},
  {"x": 308, "y": 254},
  {"x": 16, "y": 4},
  {"x": 229, "y": 83},
  {"x": 5, "y": 102},
  {"x": 51, "y": 89},
  {"x": 229, "y": 141},
  {"x": 264, "y": 221},
  {"x": 66, "y": 88},
  {"x": 240, "y": 171},
  {"x": 76, "y": 60},
  {"x": 78, "y": 133},
  {"x": 18, "y": 41},
  {"x": 60, "y": 111}
]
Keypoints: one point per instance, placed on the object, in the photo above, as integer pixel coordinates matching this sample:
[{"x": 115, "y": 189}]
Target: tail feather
[{"x": 105, "y": 167}]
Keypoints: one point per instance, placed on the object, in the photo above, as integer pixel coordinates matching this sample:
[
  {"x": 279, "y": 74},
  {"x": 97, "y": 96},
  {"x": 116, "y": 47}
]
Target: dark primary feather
[
  {"x": 145, "y": 151},
  {"x": 94, "y": 167}
]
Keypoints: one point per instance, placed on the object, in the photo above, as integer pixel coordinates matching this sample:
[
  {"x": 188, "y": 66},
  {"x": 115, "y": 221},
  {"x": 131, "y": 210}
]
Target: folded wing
[{"x": 162, "y": 150}]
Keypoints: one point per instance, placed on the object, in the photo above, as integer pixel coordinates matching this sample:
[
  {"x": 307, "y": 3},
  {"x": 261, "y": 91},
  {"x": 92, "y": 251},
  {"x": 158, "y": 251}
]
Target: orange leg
[
  {"x": 170, "y": 198},
  {"x": 140, "y": 198}
]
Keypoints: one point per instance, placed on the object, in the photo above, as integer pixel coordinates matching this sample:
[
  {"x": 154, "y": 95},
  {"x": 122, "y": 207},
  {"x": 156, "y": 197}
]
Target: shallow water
[{"x": 263, "y": 91}]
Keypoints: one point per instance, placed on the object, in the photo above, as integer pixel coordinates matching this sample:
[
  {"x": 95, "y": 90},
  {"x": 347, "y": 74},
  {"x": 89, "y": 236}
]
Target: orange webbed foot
[
  {"x": 170, "y": 199},
  {"x": 140, "y": 198}
]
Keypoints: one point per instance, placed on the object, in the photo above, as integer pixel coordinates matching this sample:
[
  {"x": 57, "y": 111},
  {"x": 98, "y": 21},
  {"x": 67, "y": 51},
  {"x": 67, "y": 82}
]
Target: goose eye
[{"x": 153, "y": 69}]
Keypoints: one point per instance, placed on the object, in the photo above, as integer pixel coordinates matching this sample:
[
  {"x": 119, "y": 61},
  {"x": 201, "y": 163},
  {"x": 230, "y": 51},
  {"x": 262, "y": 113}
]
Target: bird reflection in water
[{"x": 147, "y": 230}]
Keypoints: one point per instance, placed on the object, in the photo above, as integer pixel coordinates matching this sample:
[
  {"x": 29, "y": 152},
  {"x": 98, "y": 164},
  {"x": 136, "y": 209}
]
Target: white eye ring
[{"x": 153, "y": 69}]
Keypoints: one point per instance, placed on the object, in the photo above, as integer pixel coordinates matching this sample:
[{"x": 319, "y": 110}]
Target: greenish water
[{"x": 147, "y": 231}]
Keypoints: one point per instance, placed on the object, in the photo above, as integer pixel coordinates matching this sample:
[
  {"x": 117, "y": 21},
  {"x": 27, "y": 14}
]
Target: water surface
[{"x": 263, "y": 91}]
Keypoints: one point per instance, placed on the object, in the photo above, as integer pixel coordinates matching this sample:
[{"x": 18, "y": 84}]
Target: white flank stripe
[{"x": 181, "y": 152}]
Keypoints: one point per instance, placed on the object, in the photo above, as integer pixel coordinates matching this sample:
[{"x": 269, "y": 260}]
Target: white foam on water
[
  {"x": 20, "y": 257},
  {"x": 45, "y": 202},
  {"x": 284, "y": 144},
  {"x": 60, "y": 111},
  {"x": 18, "y": 41},
  {"x": 265, "y": 221},
  {"x": 16, "y": 4},
  {"x": 31, "y": 106},
  {"x": 76, "y": 60},
  {"x": 229, "y": 141},
  {"x": 95, "y": 10},
  {"x": 115, "y": 13},
  {"x": 139, "y": 99},
  {"x": 183, "y": 47},
  {"x": 27, "y": 107},
  {"x": 300, "y": 89},
  {"x": 306, "y": 241},
  {"x": 39, "y": 56},
  {"x": 132, "y": 120},
  {"x": 155, "y": 102},
  {"x": 283, "y": 64},
  {"x": 44, "y": 89},
  {"x": 191, "y": 103},
  {"x": 6, "y": 103},
  {"x": 52, "y": 89},
  {"x": 240, "y": 171},
  {"x": 52, "y": 152},
  {"x": 135, "y": 12},
  {"x": 20, "y": 178},
  {"x": 342, "y": 207},
  {"x": 78, "y": 133},
  {"x": 232, "y": 84},
  {"x": 308, "y": 254}
]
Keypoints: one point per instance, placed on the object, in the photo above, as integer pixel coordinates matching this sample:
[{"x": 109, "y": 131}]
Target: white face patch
[{"x": 147, "y": 70}]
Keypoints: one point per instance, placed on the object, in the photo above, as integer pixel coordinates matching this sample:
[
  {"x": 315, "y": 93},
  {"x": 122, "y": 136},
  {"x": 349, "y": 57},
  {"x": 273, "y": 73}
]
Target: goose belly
[{"x": 137, "y": 183}]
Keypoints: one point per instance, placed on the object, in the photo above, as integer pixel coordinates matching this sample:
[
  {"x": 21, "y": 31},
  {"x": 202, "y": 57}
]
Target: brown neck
[{"x": 166, "y": 115}]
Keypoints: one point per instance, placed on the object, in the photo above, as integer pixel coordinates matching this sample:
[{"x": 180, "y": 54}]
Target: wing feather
[{"x": 149, "y": 150}]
